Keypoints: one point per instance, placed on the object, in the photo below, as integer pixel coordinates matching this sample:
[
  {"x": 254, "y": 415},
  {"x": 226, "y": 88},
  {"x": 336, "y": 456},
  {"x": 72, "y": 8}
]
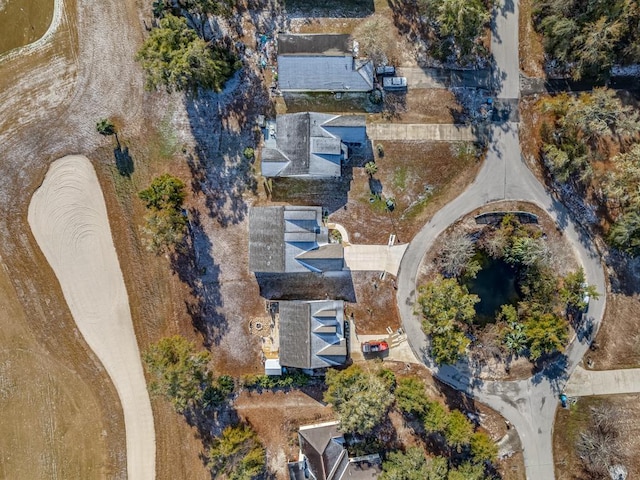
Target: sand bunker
[{"x": 68, "y": 218}]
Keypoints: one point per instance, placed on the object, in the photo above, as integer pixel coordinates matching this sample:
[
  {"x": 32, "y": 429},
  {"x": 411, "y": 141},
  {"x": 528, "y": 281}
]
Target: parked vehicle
[
  {"x": 386, "y": 71},
  {"x": 563, "y": 400},
  {"x": 374, "y": 346},
  {"x": 394, "y": 83}
]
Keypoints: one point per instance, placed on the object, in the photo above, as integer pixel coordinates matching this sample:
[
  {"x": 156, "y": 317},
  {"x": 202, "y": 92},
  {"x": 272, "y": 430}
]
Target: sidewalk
[{"x": 584, "y": 383}]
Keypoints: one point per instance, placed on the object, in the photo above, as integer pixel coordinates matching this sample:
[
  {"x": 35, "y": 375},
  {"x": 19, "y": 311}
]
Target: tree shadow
[
  {"x": 332, "y": 193},
  {"x": 124, "y": 161},
  {"x": 329, "y": 8},
  {"x": 195, "y": 267},
  {"x": 307, "y": 286},
  {"x": 223, "y": 125},
  {"x": 553, "y": 368}
]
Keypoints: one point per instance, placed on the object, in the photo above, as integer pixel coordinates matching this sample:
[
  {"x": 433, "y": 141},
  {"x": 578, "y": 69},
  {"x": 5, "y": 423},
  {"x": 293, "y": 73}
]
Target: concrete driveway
[
  {"x": 383, "y": 258},
  {"x": 420, "y": 132},
  {"x": 584, "y": 383}
]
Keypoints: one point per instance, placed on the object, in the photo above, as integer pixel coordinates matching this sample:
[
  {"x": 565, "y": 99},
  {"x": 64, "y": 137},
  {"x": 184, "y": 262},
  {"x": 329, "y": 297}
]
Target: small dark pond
[{"x": 495, "y": 284}]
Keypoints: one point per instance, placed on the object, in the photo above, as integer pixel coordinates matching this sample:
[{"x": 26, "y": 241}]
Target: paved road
[
  {"x": 420, "y": 131},
  {"x": 584, "y": 383},
  {"x": 528, "y": 404}
]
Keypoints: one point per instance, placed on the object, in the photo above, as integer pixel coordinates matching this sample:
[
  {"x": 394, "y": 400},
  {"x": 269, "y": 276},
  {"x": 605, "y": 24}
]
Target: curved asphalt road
[{"x": 529, "y": 405}]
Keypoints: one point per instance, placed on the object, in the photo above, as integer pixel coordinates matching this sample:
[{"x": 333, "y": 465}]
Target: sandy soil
[{"x": 68, "y": 217}]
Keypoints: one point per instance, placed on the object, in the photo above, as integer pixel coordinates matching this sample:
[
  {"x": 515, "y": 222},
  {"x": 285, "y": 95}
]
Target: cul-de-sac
[{"x": 324, "y": 240}]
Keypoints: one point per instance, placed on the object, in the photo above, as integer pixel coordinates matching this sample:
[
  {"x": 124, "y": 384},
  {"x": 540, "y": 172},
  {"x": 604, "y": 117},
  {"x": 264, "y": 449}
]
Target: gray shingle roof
[
  {"x": 291, "y": 239},
  {"x": 312, "y": 334},
  {"x": 266, "y": 240},
  {"x": 306, "y": 73},
  {"x": 310, "y": 144}
]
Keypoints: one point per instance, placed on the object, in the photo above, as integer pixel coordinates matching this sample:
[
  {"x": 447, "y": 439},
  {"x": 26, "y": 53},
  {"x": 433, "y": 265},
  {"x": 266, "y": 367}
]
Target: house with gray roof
[
  {"x": 289, "y": 239},
  {"x": 324, "y": 456},
  {"x": 311, "y": 145},
  {"x": 311, "y": 334},
  {"x": 321, "y": 63}
]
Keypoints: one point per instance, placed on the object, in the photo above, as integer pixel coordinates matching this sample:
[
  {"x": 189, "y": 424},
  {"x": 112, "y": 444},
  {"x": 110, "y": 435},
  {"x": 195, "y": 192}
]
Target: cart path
[{"x": 68, "y": 218}]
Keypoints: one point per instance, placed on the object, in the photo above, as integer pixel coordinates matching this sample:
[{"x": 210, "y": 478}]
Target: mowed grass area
[
  {"x": 23, "y": 22},
  {"x": 570, "y": 422},
  {"x": 48, "y": 409}
]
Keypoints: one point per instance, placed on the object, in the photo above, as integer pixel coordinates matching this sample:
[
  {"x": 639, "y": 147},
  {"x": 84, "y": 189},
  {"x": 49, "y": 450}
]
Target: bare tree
[
  {"x": 599, "y": 446},
  {"x": 456, "y": 255}
]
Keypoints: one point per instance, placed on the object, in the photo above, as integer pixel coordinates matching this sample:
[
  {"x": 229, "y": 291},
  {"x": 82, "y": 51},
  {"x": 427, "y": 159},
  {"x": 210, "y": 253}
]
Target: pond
[
  {"x": 495, "y": 284},
  {"x": 23, "y": 22}
]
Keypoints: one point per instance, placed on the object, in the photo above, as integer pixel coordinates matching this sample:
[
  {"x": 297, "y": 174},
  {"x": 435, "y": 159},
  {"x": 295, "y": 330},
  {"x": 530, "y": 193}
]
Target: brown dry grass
[
  {"x": 569, "y": 424},
  {"x": 23, "y": 22},
  {"x": 618, "y": 339},
  {"x": 403, "y": 172},
  {"x": 531, "y": 50},
  {"x": 375, "y": 308}
]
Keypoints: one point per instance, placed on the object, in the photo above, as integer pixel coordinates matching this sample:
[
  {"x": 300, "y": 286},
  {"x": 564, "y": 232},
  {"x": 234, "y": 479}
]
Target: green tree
[
  {"x": 178, "y": 371},
  {"x": 527, "y": 251},
  {"x": 483, "y": 449},
  {"x": 443, "y": 299},
  {"x": 446, "y": 306},
  {"x": 371, "y": 168},
  {"x": 360, "y": 398},
  {"x": 165, "y": 193},
  {"x": 462, "y": 20},
  {"x": 413, "y": 465},
  {"x": 467, "y": 471},
  {"x": 174, "y": 57},
  {"x": 237, "y": 454},
  {"x": 411, "y": 396},
  {"x": 436, "y": 417},
  {"x": 458, "y": 431},
  {"x": 105, "y": 127},
  {"x": 625, "y": 233},
  {"x": 165, "y": 224},
  {"x": 546, "y": 333},
  {"x": 574, "y": 288},
  {"x": 448, "y": 346}
]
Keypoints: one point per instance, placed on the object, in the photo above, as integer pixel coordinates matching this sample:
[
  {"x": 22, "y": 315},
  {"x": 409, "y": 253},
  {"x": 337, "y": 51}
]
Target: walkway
[
  {"x": 433, "y": 132},
  {"x": 529, "y": 405},
  {"x": 584, "y": 383}
]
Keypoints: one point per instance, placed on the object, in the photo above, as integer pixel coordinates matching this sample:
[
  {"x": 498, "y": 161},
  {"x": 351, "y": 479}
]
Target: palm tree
[{"x": 371, "y": 168}]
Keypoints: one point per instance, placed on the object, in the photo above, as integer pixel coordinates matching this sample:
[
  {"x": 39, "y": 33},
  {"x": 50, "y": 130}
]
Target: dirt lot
[
  {"x": 531, "y": 50},
  {"x": 569, "y": 424}
]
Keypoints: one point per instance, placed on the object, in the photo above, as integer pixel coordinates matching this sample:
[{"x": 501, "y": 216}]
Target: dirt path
[{"x": 69, "y": 220}]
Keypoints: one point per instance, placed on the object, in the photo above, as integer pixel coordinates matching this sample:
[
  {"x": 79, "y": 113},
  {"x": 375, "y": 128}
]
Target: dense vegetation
[
  {"x": 165, "y": 224},
  {"x": 589, "y": 143},
  {"x": 182, "y": 375},
  {"x": 534, "y": 326},
  {"x": 586, "y": 38},
  {"x": 175, "y": 57},
  {"x": 237, "y": 454},
  {"x": 456, "y": 27},
  {"x": 361, "y": 398},
  {"x": 466, "y": 451}
]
